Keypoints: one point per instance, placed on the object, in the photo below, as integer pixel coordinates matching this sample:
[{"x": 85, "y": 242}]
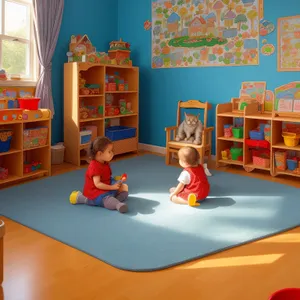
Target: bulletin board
[
  {"x": 287, "y": 98},
  {"x": 198, "y": 33},
  {"x": 288, "y": 41}
]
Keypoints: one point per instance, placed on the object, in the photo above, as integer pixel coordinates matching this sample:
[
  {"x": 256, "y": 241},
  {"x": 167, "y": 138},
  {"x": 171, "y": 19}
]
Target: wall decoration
[
  {"x": 288, "y": 44},
  {"x": 287, "y": 98},
  {"x": 147, "y": 25},
  {"x": 267, "y": 49},
  {"x": 264, "y": 41},
  {"x": 255, "y": 90},
  {"x": 266, "y": 27},
  {"x": 191, "y": 33},
  {"x": 269, "y": 100}
]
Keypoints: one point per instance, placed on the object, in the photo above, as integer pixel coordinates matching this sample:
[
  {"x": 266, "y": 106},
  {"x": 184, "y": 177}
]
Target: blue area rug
[{"x": 156, "y": 233}]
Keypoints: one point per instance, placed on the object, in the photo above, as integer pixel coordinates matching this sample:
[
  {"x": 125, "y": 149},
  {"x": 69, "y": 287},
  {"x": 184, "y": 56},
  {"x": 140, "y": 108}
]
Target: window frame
[{"x": 33, "y": 61}]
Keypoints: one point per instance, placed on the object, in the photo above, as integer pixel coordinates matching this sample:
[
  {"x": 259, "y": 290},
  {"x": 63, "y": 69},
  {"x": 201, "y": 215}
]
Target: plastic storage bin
[
  {"x": 292, "y": 164},
  {"x": 291, "y": 139},
  {"x": 85, "y": 136},
  {"x": 5, "y": 140},
  {"x": 286, "y": 294},
  {"x": 228, "y": 130},
  {"x": 261, "y": 158},
  {"x": 116, "y": 133},
  {"x": 236, "y": 154},
  {"x": 238, "y": 132},
  {"x": 29, "y": 103},
  {"x": 256, "y": 135},
  {"x": 57, "y": 154}
]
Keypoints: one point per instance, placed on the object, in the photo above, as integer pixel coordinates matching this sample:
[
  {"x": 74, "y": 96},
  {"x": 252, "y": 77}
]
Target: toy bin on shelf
[
  {"x": 236, "y": 153},
  {"x": 57, "y": 154},
  {"x": 280, "y": 160},
  {"x": 228, "y": 130},
  {"x": 291, "y": 139},
  {"x": 116, "y": 133},
  {"x": 292, "y": 164},
  {"x": 85, "y": 136},
  {"x": 3, "y": 173},
  {"x": 238, "y": 132},
  {"x": 261, "y": 158},
  {"x": 5, "y": 140},
  {"x": 31, "y": 167},
  {"x": 35, "y": 137},
  {"x": 256, "y": 135},
  {"x": 29, "y": 103},
  {"x": 286, "y": 294}
]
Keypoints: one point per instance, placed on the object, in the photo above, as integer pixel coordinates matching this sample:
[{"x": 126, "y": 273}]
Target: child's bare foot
[{"x": 192, "y": 200}]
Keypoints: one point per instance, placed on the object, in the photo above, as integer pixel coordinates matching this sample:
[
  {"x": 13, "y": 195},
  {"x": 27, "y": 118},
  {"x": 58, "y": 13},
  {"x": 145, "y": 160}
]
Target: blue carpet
[{"x": 156, "y": 233}]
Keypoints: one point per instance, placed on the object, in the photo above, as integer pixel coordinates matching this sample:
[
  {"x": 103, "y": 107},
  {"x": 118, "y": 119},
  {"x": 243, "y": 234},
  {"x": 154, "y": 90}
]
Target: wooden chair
[{"x": 205, "y": 148}]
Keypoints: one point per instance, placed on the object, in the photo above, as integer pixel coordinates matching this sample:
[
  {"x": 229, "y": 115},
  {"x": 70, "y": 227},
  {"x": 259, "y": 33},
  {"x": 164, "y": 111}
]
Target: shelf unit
[
  {"x": 252, "y": 118},
  {"x": 14, "y": 159},
  {"x": 95, "y": 74}
]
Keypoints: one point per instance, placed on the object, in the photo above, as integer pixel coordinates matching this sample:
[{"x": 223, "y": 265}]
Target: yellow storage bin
[{"x": 291, "y": 139}]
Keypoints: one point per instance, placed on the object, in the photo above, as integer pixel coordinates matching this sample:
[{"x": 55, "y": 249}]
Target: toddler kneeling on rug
[
  {"x": 193, "y": 185},
  {"x": 100, "y": 189}
]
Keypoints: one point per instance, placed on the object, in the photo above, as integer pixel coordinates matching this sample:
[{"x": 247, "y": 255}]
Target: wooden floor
[{"x": 40, "y": 268}]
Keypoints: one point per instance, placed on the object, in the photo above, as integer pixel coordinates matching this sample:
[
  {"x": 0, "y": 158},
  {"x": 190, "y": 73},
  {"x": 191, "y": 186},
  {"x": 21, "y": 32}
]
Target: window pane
[
  {"x": 17, "y": 20},
  {"x": 15, "y": 58}
]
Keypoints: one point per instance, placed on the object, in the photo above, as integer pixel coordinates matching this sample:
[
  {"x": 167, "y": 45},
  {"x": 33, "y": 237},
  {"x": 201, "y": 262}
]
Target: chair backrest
[{"x": 193, "y": 104}]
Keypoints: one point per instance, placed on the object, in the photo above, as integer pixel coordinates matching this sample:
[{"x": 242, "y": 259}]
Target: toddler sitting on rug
[
  {"x": 193, "y": 185},
  {"x": 100, "y": 189}
]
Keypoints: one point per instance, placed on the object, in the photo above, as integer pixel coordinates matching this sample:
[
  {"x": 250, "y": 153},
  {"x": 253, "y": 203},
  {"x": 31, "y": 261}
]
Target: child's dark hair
[
  {"x": 99, "y": 144},
  {"x": 189, "y": 155}
]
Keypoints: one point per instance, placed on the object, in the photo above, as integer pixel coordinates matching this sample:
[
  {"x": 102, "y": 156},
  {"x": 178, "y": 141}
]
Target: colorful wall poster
[
  {"x": 287, "y": 97},
  {"x": 195, "y": 33},
  {"x": 288, "y": 44}
]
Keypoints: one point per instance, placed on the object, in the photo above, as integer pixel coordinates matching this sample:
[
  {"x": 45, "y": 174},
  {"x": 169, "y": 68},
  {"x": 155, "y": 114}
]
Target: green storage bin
[
  {"x": 236, "y": 153},
  {"x": 238, "y": 132}
]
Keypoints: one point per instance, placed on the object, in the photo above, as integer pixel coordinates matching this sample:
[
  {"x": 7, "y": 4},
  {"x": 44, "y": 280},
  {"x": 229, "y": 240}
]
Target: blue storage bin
[
  {"x": 5, "y": 141},
  {"x": 85, "y": 136},
  {"x": 291, "y": 164},
  {"x": 256, "y": 135},
  {"x": 116, "y": 133}
]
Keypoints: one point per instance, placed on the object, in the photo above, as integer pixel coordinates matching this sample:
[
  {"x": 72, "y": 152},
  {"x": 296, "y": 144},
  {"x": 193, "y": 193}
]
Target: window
[{"x": 17, "y": 47}]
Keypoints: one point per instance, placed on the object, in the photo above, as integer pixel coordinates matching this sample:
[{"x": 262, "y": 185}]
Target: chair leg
[
  {"x": 201, "y": 153},
  {"x": 167, "y": 156}
]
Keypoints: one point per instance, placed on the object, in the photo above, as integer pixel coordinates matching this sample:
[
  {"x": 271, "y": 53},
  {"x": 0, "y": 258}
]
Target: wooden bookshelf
[
  {"x": 14, "y": 159},
  {"x": 252, "y": 118},
  {"x": 95, "y": 74}
]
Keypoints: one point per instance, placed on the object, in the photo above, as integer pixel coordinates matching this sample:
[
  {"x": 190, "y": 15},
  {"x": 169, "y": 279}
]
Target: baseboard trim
[
  {"x": 152, "y": 148},
  {"x": 158, "y": 149}
]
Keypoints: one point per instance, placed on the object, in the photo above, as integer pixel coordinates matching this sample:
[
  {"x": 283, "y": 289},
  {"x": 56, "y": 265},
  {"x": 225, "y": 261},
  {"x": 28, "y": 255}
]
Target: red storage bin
[
  {"x": 29, "y": 103},
  {"x": 286, "y": 294}
]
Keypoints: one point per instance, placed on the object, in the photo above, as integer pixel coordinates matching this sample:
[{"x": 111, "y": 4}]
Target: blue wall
[
  {"x": 98, "y": 19},
  {"x": 161, "y": 88}
]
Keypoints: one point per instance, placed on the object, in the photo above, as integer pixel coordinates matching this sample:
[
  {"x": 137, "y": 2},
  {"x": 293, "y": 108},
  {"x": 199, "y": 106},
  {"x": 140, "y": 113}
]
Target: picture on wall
[
  {"x": 288, "y": 44},
  {"x": 199, "y": 33}
]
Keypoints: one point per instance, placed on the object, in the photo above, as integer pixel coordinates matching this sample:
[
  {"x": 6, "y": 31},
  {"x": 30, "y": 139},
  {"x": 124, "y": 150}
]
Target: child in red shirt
[
  {"x": 193, "y": 185},
  {"x": 100, "y": 189}
]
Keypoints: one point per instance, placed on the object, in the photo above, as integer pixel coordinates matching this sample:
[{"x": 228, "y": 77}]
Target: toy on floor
[
  {"x": 122, "y": 178},
  {"x": 190, "y": 129}
]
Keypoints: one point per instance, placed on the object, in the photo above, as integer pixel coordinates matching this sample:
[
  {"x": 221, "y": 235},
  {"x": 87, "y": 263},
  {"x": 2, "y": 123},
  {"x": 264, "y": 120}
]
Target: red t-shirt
[
  {"x": 198, "y": 185},
  {"x": 96, "y": 169}
]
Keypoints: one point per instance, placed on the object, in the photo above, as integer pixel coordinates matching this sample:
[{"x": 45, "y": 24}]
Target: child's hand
[{"x": 116, "y": 186}]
